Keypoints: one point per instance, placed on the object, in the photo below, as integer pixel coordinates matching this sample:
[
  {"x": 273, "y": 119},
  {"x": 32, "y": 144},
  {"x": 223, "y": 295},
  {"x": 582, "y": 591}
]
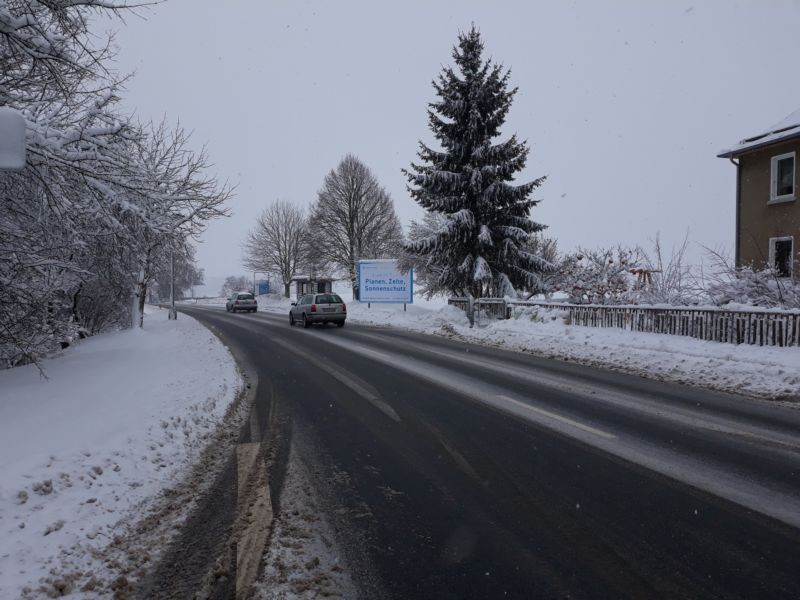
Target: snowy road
[{"x": 447, "y": 470}]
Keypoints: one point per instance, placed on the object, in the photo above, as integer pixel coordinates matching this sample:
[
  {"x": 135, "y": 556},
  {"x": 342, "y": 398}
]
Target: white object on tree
[{"x": 12, "y": 139}]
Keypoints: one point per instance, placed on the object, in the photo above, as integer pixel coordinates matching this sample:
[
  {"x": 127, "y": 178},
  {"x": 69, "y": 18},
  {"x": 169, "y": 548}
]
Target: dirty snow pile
[
  {"x": 303, "y": 560},
  {"x": 767, "y": 372},
  {"x": 118, "y": 419}
]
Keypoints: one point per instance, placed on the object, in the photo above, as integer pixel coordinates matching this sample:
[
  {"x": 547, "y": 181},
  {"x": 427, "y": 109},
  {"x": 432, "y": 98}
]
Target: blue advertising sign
[
  {"x": 263, "y": 288},
  {"x": 382, "y": 281}
]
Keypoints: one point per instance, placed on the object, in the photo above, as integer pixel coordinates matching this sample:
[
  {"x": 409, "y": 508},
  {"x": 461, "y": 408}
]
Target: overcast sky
[{"x": 625, "y": 103}]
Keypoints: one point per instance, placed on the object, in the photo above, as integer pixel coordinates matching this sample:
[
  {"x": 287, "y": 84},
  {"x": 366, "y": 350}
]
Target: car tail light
[
  {"x": 344, "y": 307},
  {"x": 313, "y": 308},
  {"x": 237, "y": 302}
]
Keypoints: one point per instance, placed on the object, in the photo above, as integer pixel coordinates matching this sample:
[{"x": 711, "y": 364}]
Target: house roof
[
  {"x": 785, "y": 129},
  {"x": 308, "y": 278}
]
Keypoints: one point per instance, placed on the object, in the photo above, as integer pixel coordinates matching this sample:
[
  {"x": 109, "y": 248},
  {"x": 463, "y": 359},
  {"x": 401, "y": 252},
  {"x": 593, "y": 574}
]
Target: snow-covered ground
[
  {"x": 765, "y": 372},
  {"x": 89, "y": 451},
  {"x": 304, "y": 559}
]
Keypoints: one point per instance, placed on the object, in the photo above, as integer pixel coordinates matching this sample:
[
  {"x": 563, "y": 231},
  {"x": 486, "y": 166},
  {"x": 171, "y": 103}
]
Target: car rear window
[
  {"x": 328, "y": 299},
  {"x": 245, "y": 296}
]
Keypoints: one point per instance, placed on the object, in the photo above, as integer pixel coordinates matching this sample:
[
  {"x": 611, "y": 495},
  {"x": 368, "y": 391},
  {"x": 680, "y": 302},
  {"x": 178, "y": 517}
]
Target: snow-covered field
[
  {"x": 765, "y": 372},
  {"x": 88, "y": 452}
]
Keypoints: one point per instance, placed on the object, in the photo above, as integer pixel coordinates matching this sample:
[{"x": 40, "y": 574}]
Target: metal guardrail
[{"x": 762, "y": 328}]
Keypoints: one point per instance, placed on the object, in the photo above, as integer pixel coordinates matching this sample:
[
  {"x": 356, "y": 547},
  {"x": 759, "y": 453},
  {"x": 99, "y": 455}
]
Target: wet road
[{"x": 459, "y": 471}]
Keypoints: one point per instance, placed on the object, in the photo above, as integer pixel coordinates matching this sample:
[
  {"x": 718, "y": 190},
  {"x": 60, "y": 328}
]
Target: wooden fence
[{"x": 774, "y": 328}]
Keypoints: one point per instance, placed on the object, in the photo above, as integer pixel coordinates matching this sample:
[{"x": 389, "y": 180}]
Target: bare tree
[
  {"x": 234, "y": 283},
  {"x": 101, "y": 199},
  {"x": 356, "y": 218},
  {"x": 187, "y": 274},
  {"x": 275, "y": 243},
  {"x": 671, "y": 280},
  {"x": 175, "y": 199}
]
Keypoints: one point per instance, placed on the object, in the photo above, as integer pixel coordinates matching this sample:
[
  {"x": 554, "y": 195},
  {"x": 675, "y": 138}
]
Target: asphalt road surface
[{"x": 453, "y": 470}]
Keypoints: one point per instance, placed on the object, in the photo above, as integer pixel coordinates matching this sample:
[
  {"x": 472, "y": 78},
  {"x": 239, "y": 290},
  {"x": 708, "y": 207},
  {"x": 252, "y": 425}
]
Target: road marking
[
  {"x": 461, "y": 462},
  {"x": 383, "y": 357},
  {"x": 556, "y": 417},
  {"x": 347, "y": 379},
  {"x": 603, "y": 393},
  {"x": 465, "y": 389}
]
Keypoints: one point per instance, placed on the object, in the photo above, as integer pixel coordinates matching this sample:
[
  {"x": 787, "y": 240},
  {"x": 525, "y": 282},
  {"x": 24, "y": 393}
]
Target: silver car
[
  {"x": 241, "y": 301},
  {"x": 318, "y": 308}
]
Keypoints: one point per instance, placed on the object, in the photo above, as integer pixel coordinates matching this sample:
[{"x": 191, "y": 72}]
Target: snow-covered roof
[
  {"x": 782, "y": 130},
  {"x": 309, "y": 278}
]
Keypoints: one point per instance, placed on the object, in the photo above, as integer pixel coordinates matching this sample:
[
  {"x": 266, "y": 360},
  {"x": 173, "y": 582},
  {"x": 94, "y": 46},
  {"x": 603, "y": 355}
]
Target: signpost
[{"x": 382, "y": 281}]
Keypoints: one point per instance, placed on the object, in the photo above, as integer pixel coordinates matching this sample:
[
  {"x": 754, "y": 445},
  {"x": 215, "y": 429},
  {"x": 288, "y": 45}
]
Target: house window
[
  {"x": 782, "y": 178},
  {"x": 781, "y": 252}
]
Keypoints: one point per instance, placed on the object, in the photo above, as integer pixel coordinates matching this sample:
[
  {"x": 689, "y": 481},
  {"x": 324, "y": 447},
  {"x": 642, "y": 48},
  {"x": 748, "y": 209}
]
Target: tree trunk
[
  {"x": 137, "y": 300},
  {"x": 142, "y": 298},
  {"x": 287, "y": 289},
  {"x": 354, "y": 280}
]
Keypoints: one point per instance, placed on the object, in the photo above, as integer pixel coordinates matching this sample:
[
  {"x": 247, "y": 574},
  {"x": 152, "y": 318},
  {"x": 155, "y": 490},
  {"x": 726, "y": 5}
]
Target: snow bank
[
  {"x": 119, "y": 418},
  {"x": 767, "y": 372}
]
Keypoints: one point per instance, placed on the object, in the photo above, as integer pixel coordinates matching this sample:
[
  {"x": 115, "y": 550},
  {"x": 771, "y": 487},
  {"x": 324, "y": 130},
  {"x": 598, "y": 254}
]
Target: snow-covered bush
[
  {"x": 538, "y": 314},
  {"x": 755, "y": 288},
  {"x": 665, "y": 279},
  {"x": 601, "y": 276}
]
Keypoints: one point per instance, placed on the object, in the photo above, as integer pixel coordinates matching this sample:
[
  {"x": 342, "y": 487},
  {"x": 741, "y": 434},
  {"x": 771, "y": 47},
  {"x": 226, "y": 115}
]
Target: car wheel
[
  {"x": 340, "y": 324},
  {"x": 306, "y": 322},
  {"x": 291, "y": 319}
]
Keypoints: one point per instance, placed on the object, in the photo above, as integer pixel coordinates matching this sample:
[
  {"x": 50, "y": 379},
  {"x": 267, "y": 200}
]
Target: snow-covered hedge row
[{"x": 85, "y": 227}]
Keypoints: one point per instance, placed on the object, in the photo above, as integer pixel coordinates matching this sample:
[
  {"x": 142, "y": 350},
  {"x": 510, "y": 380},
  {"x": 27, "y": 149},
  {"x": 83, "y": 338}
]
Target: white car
[
  {"x": 318, "y": 308},
  {"x": 241, "y": 301}
]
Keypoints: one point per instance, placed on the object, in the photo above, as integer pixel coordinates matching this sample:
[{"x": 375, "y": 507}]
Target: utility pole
[{"x": 173, "y": 314}]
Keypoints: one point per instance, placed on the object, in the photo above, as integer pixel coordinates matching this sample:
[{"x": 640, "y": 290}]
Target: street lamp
[{"x": 173, "y": 314}]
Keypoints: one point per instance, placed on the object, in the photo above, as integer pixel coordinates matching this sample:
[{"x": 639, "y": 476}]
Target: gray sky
[{"x": 625, "y": 103}]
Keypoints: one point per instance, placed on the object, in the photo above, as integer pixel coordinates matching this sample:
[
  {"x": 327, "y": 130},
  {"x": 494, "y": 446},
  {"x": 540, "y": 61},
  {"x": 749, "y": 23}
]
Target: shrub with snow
[
  {"x": 601, "y": 276},
  {"x": 756, "y": 288}
]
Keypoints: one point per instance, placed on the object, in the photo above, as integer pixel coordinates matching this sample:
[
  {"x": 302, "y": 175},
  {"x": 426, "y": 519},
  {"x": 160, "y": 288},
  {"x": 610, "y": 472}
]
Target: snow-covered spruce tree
[
  {"x": 426, "y": 274},
  {"x": 482, "y": 249}
]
